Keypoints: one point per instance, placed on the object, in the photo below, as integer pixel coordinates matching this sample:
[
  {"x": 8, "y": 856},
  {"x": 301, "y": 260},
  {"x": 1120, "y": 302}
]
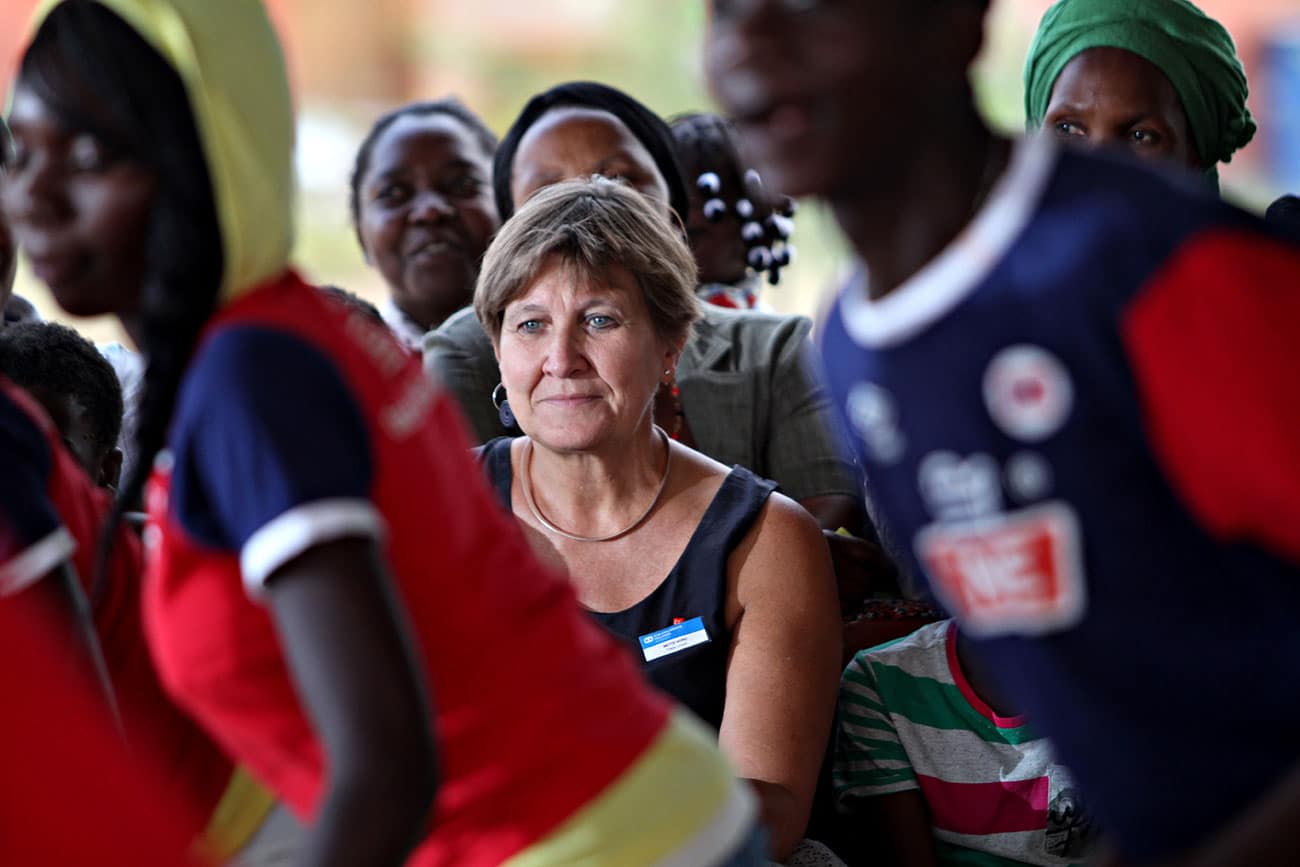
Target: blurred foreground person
[
  {"x": 63, "y": 374},
  {"x": 13, "y": 309},
  {"x": 332, "y": 592},
  {"x": 65, "y": 764},
  {"x": 1072, "y": 385}
]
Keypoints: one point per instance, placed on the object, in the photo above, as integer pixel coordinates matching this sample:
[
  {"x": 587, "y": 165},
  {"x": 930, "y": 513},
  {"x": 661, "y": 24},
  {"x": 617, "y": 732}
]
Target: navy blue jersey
[
  {"x": 1082, "y": 423},
  {"x": 313, "y": 459}
]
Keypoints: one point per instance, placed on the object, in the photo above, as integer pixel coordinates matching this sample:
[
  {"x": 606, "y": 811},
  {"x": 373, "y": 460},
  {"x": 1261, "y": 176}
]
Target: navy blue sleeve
[
  {"x": 271, "y": 450},
  {"x": 32, "y": 540}
]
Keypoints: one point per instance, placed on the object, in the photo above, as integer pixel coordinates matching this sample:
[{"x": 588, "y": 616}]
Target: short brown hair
[{"x": 593, "y": 224}]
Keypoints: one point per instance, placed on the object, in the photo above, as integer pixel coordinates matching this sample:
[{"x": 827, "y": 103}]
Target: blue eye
[
  {"x": 530, "y": 326},
  {"x": 600, "y": 321}
]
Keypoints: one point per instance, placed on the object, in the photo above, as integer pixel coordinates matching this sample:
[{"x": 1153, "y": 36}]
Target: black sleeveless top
[{"x": 696, "y": 587}]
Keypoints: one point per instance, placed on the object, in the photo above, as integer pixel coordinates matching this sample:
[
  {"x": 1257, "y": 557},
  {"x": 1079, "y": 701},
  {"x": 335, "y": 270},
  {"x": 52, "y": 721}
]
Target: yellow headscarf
[{"x": 229, "y": 59}]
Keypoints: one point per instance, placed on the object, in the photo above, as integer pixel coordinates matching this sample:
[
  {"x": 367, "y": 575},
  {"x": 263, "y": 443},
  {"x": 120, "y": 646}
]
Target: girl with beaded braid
[
  {"x": 737, "y": 231},
  {"x": 340, "y": 610}
]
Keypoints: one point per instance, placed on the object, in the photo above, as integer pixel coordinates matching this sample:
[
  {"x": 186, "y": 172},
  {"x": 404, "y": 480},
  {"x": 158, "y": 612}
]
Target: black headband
[{"x": 643, "y": 123}]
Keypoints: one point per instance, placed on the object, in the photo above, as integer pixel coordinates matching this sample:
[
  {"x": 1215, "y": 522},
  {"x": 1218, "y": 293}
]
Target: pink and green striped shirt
[{"x": 909, "y": 720}]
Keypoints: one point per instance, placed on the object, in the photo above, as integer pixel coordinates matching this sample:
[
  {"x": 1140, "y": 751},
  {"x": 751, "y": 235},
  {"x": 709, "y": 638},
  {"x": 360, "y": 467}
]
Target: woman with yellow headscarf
[{"x": 1158, "y": 77}]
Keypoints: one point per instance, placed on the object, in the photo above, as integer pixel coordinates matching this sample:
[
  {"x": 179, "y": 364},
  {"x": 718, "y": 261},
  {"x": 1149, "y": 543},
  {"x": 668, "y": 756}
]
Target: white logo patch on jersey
[
  {"x": 1020, "y": 572},
  {"x": 874, "y": 416},
  {"x": 1028, "y": 392},
  {"x": 960, "y": 489}
]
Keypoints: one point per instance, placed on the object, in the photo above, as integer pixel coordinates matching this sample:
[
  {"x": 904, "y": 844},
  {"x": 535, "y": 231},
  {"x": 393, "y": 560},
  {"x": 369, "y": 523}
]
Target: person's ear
[
  {"x": 672, "y": 354},
  {"x": 110, "y": 469}
]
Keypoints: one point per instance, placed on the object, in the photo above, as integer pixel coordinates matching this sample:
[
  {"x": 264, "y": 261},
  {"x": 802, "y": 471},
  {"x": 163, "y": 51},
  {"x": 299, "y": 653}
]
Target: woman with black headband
[{"x": 738, "y": 231}]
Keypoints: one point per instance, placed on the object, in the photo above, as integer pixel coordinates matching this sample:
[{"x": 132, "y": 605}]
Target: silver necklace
[{"x": 525, "y": 482}]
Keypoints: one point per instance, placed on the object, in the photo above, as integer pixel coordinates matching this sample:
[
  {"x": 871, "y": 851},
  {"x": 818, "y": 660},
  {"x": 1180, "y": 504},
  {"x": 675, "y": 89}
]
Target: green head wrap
[{"x": 1194, "y": 52}]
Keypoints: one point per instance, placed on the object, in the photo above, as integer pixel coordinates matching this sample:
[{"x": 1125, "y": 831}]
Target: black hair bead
[
  {"x": 744, "y": 209},
  {"x": 709, "y": 183},
  {"x": 752, "y": 232},
  {"x": 781, "y": 227},
  {"x": 714, "y": 210}
]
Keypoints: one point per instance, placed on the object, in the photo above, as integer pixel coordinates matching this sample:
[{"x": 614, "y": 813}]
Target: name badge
[{"x": 678, "y": 637}]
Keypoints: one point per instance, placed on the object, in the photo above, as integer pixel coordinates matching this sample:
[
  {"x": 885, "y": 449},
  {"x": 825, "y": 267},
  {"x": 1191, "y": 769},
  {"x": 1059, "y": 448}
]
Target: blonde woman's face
[{"x": 580, "y": 359}]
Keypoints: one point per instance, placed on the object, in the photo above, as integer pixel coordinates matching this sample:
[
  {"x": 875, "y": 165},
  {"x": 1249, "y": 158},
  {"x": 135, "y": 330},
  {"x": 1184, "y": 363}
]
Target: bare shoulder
[
  {"x": 695, "y": 476},
  {"x": 784, "y": 550},
  {"x": 783, "y": 522}
]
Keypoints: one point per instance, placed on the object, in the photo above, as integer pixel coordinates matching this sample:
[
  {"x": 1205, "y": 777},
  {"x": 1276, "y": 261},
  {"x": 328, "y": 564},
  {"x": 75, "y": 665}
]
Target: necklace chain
[{"x": 525, "y": 482}]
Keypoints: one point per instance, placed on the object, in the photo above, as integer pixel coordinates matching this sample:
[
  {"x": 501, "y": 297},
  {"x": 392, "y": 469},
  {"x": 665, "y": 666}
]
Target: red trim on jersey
[
  {"x": 1215, "y": 354},
  {"x": 1001, "y": 807}
]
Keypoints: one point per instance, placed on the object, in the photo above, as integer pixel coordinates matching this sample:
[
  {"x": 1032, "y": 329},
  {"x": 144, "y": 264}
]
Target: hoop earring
[{"x": 502, "y": 405}]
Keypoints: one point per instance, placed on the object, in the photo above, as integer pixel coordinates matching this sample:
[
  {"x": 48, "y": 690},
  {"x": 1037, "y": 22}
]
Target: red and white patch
[
  {"x": 1018, "y": 572},
  {"x": 1028, "y": 392}
]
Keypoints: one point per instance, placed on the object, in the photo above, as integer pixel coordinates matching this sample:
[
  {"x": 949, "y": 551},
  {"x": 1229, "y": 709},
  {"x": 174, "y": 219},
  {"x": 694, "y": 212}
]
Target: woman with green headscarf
[{"x": 1158, "y": 77}]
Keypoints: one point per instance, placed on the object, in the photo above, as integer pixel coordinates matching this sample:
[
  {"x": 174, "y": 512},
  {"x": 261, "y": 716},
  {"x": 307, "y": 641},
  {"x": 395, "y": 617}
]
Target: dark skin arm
[
  {"x": 348, "y": 650},
  {"x": 889, "y": 831}
]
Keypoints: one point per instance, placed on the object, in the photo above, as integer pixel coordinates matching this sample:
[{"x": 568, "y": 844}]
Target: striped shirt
[{"x": 908, "y": 720}]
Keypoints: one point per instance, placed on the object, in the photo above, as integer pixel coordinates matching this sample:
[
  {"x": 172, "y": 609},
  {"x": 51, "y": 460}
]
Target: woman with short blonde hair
[
  {"x": 603, "y": 225},
  {"x": 723, "y": 587}
]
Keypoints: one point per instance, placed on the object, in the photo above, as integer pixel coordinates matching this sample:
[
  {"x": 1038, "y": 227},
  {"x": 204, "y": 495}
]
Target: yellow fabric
[
  {"x": 243, "y": 807},
  {"x": 229, "y": 59},
  {"x": 682, "y": 776}
]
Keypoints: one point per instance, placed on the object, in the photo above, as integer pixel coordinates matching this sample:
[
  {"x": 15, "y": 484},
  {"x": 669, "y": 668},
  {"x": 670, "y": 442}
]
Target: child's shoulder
[{"x": 923, "y": 653}]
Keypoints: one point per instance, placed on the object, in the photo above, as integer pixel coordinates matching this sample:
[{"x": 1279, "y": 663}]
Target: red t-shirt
[
  {"x": 197, "y": 771},
  {"x": 71, "y": 792},
  {"x": 300, "y": 422}
]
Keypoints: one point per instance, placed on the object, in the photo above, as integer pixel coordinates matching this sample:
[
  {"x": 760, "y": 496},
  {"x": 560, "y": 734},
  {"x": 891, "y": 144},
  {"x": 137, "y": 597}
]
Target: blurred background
[{"x": 351, "y": 60}]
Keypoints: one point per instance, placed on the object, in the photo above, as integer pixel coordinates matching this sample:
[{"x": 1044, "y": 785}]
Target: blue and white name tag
[{"x": 679, "y": 636}]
